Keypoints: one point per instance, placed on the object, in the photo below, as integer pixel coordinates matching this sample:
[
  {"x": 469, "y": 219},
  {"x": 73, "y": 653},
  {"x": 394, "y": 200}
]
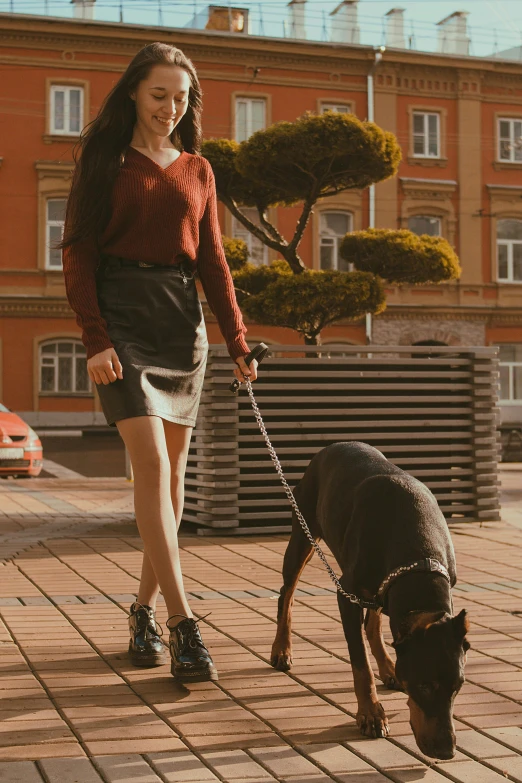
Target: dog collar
[{"x": 427, "y": 564}]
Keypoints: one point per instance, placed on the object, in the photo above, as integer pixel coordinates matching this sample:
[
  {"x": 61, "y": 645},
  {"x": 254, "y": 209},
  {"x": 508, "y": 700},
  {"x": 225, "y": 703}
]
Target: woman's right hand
[{"x": 105, "y": 367}]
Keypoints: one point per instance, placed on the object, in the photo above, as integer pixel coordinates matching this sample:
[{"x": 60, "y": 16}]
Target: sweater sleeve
[
  {"x": 80, "y": 261},
  {"x": 216, "y": 278}
]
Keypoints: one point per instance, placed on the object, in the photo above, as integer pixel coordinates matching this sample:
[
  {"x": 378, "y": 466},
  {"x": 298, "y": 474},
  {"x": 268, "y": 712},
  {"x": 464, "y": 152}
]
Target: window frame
[
  {"x": 511, "y": 382},
  {"x": 249, "y": 100},
  {"x": 509, "y": 243},
  {"x": 334, "y": 210},
  {"x": 250, "y": 237},
  {"x": 48, "y": 266},
  {"x": 511, "y": 159},
  {"x": 55, "y": 392},
  {"x": 66, "y": 88},
  {"x": 426, "y": 153},
  {"x": 333, "y": 104},
  {"x": 431, "y": 217}
]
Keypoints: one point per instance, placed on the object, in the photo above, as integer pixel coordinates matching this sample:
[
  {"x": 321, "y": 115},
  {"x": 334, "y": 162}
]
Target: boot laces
[
  {"x": 194, "y": 636},
  {"x": 152, "y": 624}
]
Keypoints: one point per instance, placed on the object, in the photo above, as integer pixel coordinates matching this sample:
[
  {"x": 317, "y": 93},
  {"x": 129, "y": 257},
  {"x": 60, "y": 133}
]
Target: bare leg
[
  {"x": 146, "y": 440},
  {"x": 373, "y": 627},
  {"x": 178, "y": 441}
]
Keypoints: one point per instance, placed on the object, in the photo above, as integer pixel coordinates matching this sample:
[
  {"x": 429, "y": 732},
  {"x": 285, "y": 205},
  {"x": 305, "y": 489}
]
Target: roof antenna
[{"x": 261, "y": 26}]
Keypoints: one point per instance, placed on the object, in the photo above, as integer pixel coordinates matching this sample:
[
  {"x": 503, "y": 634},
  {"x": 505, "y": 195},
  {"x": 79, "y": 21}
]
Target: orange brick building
[{"x": 457, "y": 118}]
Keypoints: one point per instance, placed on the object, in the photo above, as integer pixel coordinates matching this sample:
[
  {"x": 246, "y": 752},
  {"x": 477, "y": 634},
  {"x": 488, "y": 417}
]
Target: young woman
[{"x": 141, "y": 218}]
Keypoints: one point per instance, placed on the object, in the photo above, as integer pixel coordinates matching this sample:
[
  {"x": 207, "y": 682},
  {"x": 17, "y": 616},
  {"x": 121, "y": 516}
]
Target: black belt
[{"x": 120, "y": 261}]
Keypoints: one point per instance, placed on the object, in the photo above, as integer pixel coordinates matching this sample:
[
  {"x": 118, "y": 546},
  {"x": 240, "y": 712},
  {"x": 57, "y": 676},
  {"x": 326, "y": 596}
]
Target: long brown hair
[{"x": 98, "y": 154}]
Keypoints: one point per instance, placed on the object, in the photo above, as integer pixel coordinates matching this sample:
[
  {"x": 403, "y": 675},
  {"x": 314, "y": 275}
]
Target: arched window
[
  {"x": 509, "y": 251},
  {"x": 257, "y": 250},
  {"x": 333, "y": 225},
  {"x": 425, "y": 224},
  {"x": 63, "y": 368}
]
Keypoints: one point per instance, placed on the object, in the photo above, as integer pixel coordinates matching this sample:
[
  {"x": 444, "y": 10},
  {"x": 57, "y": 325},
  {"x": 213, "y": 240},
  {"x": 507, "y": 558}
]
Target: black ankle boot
[
  {"x": 191, "y": 661},
  {"x": 145, "y": 645}
]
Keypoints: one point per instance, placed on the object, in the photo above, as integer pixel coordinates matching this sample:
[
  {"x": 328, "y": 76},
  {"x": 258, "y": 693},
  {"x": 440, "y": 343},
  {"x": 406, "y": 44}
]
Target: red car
[{"x": 20, "y": 446}]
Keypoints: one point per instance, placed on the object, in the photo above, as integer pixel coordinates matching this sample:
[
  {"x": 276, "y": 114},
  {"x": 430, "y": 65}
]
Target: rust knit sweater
[{"x": 157, "y": 214}]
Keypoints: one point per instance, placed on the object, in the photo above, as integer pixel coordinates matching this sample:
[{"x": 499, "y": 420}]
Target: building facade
[{"x": 458, "y": 120}]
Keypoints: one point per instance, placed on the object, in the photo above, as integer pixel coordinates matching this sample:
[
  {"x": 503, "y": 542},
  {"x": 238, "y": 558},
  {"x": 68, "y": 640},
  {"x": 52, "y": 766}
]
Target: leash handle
[{"x": 258, "y": 352}]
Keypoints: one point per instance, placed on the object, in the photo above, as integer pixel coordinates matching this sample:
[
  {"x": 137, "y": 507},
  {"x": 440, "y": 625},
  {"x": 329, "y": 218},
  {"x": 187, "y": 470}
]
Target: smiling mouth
[{"x": 163, "y": 121}]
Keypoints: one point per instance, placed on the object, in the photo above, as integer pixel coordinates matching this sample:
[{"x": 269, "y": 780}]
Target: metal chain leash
[{"x": 365, "y": 604}]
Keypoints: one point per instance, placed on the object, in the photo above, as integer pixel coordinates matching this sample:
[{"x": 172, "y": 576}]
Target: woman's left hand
[{"x": 244, "y": 369}]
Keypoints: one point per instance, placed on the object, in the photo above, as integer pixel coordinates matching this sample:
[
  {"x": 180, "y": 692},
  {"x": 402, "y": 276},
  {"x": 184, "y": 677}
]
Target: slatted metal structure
[{"x": 431, "y": 410}]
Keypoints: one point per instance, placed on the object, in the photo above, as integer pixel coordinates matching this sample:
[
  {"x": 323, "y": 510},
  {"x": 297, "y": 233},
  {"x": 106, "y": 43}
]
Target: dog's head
[{"x": 430, "y": 667}]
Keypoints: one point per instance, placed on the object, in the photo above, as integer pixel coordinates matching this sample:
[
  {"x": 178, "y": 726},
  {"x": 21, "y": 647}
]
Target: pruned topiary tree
[{"x": 302, "y": 162}]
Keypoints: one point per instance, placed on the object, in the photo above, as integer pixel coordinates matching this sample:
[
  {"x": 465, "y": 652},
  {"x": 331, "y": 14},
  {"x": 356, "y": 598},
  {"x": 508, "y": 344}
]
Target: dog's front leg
[
  {"x": 371, "y": 717},
  {"x": 373, "y": 626}
]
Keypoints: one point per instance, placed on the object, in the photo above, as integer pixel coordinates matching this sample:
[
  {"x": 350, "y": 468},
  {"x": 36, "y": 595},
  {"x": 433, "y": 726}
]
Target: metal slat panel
[{"x": 431, "y": 410}]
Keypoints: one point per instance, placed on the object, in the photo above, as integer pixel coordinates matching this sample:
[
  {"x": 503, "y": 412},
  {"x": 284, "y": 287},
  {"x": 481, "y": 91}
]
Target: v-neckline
[{"x": 155, "y": 163}]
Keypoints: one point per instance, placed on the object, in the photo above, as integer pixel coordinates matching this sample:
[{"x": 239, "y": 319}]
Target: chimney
[
  {"x": 297, "y": 19},
  {"x": 395, "y": 29},
  {"x": 227, "y": 19},
  {"x": 453, "y": 34},
  {"x": 83, "y": 9},
  {"x": 344, "y": 23}
]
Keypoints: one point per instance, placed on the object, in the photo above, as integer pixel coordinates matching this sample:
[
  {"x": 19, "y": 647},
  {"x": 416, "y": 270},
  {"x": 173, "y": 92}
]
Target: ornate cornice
[
  {"x": 420, "y": 188},
  {"x": 505, "y": 192},
  {"x": 34, "y": 307},
  {"x": 71, "y": 36},
  {"x": 487, "y": 316},
  {"x": 54, "y": 169}
]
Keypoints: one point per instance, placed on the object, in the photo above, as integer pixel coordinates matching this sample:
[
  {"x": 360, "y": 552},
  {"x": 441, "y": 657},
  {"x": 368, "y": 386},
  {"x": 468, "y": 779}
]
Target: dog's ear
[
  {"x": 460, "y": 625},
  {"x": 401, "y": 643}
]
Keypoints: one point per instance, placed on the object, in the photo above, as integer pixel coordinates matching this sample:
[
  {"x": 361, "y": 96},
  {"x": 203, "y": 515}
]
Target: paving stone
[
  {"x": 282, "y": 760},
  {"x": 123, "y": 598},
  {"x": 10, "y": 602},
  {"x": 235, "y": 593},
  {"x": 62, "y": 600},
  {"x": 181, "y": 766},
  {"x": 35, "y": 600},
  {"x": 19, "y": 772},
  {"x": 476, "y": 744},
  {"x": 206, "y": 594},
  {"x": 470, "y": 772},
  {"x": 79, "y": 770},
  {"x": 234, "y": 765},
  {"x": 335, "y": 758},
  {"x": 262, "y": 592},
  {"x": 94, "y": 599},
  {"x": 128, "y": 768},
  {"x": 509, "y": 735},
  {"x": 125, "y": 746},
  {"x": 381, "y": 753},
  {"x": 507, "y": 765}
]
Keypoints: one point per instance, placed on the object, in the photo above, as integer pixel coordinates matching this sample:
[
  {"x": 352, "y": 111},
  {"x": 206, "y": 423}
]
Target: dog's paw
[
  {"x": 281, "y": 660},
  {"x": 391, "y": 682},
  {"x": 372, "y": 721}
]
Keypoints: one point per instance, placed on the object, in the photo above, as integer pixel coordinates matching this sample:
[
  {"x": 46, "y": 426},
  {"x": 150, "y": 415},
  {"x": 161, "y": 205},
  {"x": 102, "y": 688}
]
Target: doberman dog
[{"x": 377, "y": 519}]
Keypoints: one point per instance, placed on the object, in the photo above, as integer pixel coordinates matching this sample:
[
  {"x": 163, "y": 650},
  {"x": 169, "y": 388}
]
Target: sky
[{"x": 494, "y": 24}]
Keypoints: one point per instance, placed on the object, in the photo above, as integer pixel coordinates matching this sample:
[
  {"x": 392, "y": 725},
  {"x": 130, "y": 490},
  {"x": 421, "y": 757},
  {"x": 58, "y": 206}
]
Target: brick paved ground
[{"x": 73, "y": 709}]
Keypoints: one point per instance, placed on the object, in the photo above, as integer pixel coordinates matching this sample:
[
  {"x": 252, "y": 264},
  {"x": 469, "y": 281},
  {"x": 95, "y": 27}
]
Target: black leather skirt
[{"x": 155, "y": 322}]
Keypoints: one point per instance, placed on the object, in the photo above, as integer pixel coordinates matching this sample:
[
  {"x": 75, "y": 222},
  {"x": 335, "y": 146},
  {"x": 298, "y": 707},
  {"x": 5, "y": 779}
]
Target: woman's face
[{"x": 162, "y": 99}]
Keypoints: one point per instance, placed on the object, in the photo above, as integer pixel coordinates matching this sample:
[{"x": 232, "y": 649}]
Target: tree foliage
[
  {"x": 301, "y": 162},
  {"x": 271, "y": 294},
  {"x": 401, "y": 256}
]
